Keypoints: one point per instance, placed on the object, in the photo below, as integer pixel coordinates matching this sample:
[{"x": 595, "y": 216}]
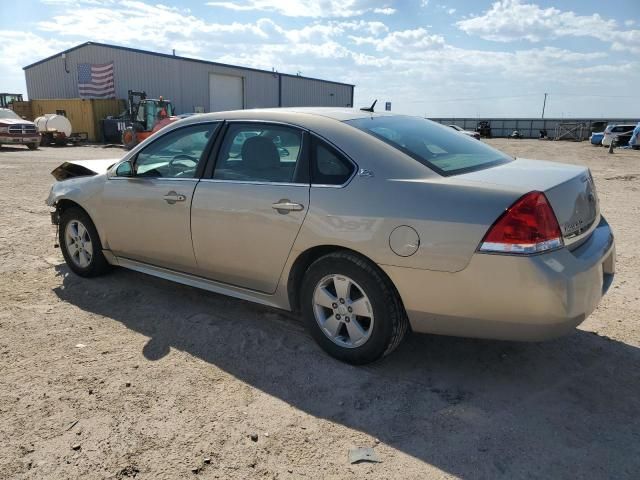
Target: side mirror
[{"x": 125, "y": 169}]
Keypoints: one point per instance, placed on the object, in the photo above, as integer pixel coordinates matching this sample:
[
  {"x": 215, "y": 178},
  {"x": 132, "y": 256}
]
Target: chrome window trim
[
  {"x": 260, "y": 182},
  {"x": 349, "y": 159},
  {"x": 310, "y": 132},
  {"x": 111, "y": 173},
  {"x": 142, "y": 178}
]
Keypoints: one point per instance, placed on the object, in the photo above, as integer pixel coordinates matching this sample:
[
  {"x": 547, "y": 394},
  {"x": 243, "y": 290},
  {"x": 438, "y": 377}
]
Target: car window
[
  {"x": 261, "y": 153},
  {"x": 329, "y": 167},
  {"x": 436, "y": 146},
  {"x": 176, "y": 154}
]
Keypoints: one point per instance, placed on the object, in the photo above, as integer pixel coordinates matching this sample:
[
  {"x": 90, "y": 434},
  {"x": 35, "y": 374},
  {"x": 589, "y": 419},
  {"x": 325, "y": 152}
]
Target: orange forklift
[{"x": 143, "y": 117}]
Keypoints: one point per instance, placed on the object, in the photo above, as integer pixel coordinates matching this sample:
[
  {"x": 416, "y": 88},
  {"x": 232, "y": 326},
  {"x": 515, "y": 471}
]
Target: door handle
[
  {"x": 173, "y": 197},
  {"x": 286, "y": 206}
]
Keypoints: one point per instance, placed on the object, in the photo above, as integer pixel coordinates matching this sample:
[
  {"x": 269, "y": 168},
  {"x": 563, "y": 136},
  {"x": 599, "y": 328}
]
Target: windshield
[
  {"x": 9, "y": 114},
  {"x": 436, "y": 146}
]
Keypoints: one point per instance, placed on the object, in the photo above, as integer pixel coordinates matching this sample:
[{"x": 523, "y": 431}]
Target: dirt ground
[{"x": 130, "y": 376}]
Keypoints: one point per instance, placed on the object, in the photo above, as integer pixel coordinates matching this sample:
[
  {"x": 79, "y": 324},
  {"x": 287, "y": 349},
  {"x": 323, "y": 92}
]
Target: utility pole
[{"x": 544, "y": 104}]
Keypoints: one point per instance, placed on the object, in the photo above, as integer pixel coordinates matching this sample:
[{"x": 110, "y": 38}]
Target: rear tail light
[{"x": 528, "y": 226}]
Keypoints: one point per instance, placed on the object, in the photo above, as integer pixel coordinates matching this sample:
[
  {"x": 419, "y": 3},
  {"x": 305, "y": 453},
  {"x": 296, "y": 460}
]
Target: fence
[
  {"x": 85, "y": 115},
  {"x": 530, "y": 127}
]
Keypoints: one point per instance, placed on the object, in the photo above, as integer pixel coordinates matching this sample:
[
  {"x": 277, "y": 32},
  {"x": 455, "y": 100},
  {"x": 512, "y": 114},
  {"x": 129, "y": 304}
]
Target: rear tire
[
  {"x": 80, "y": 244},
  {"x": 376, "y": 324}
]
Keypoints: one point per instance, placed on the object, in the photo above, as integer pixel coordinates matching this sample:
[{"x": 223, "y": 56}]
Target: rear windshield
[{"x": 436, "y": 146}]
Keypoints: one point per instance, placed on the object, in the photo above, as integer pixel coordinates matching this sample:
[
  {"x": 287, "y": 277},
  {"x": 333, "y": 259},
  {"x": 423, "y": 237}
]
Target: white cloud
[
  {"x": 18, "y": 49},
  {"x": 451, "y": 11},
  {"x": 402, "y": 41},
  {"x": 510, "y": 20},
  {"x": 414, "y": 67},
  {"x": 310, "y": 8},
  {"x": 385, "y": 11}
]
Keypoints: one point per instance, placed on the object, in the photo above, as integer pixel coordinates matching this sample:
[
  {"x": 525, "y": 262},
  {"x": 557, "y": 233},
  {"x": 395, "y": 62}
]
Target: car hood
[
  {"x": 15, "y": 121},
  {"x": 83, "y": 168}
]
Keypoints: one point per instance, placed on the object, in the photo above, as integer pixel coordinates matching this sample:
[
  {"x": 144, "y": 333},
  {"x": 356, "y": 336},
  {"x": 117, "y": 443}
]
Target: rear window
[{"x": 436, "y": 146}]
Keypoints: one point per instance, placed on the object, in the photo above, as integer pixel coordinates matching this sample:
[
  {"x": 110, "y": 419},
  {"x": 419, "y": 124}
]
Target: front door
[
  {"x": 245, "y": 219},
  {"x": 148, "y": 211}
]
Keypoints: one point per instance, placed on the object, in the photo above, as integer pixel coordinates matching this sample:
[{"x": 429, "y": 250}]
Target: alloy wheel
[
  {"x": 343, "y": 311},
  {"x": 78, "y": 243}
]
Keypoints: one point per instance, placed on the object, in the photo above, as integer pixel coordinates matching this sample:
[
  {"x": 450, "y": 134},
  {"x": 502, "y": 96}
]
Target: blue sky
[{"x": 428, "y": 57}]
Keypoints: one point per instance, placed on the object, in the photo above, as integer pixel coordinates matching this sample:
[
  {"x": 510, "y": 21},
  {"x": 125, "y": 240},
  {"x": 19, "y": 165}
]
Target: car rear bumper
[{"x": 510, "y": 297}]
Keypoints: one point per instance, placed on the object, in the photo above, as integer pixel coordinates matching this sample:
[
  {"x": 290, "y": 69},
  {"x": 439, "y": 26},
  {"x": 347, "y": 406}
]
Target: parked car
[
  {"x": 15, "y": 130},
  {"x": 598, "y": 126},
  {"x": 471, "y": 133},
  {"x": 616, "y": 130},
  {"x": 596, "y": 138},
  {"x": 634, "y": 141},
  {"x": 371, "y": 225}
]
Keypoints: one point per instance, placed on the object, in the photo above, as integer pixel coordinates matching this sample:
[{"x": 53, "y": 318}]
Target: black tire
[
  {"x": 130, "y": 136},
  {"x": 391, "y": 322},
  {"x": 32, "y": 146},
  {"x": 98, "y": 265}
]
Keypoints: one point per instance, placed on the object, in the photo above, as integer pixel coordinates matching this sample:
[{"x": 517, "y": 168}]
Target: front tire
[
  {"x": 130, "y": 136},
  {"x": 80, "y": 244},
  {"x": 351, "y": 309},
  {"x": 32, "y": 146}
]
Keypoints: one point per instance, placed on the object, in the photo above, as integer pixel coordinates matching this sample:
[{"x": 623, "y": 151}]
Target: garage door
[{"x": 225, "y": 92}]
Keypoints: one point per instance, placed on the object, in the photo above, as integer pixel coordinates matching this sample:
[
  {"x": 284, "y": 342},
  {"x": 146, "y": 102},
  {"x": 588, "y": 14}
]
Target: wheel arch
[
  {"x": 64, "y": 204},
  {"x": 307, "y": 257}
]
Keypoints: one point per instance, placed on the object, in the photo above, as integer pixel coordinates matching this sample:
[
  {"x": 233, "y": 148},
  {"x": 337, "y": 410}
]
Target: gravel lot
[{"x": 127, "y": 375}]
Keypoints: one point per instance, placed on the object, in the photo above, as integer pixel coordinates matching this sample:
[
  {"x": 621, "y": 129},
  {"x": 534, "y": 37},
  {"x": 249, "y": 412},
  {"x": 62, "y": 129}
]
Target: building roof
[{"x": 167, "y": 55}]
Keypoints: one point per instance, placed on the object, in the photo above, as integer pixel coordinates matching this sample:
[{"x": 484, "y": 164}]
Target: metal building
[{"x": 191, "y": 84}]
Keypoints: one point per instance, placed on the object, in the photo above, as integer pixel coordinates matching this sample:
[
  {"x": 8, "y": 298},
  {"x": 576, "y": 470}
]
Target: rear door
[
  {"x": 147, "y": 213},
  {"x": 247, "y": 215}
]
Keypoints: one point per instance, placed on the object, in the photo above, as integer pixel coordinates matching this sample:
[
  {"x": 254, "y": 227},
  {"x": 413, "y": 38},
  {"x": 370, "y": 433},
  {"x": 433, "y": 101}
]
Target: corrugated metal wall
[
  {"x": 528, "y": 127},
  {"x": 301, "y": 92},
  {"x": 184, "y": 82},
  {"x": 83, "y": 114}
]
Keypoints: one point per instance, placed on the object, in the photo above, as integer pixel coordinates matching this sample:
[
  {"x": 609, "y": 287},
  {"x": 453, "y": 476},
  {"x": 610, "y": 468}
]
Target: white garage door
[{"x": 225, "y": 93}]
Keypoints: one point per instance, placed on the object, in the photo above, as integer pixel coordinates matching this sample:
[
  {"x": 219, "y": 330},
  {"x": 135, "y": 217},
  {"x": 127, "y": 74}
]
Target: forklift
[
  {"x": 143, "y": 117},
  {"x": 7, "y": 99}
]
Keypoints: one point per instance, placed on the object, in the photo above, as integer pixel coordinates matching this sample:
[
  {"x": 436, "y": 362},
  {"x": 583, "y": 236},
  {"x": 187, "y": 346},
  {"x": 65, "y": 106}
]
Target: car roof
[{"x": 340, "y": 114}]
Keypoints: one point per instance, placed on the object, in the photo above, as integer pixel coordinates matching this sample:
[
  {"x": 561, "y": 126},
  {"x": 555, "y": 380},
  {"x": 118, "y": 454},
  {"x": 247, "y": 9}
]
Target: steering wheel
[
  {"x": 185, "y": 161},
  {"x": 283, "y": 152}
]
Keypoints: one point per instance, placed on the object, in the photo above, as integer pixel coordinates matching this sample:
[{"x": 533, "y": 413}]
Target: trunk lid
[{"x": 569, "y": 189}]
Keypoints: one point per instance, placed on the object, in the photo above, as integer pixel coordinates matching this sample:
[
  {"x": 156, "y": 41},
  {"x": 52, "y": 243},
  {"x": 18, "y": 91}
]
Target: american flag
[{"x": 96, "y": 81}]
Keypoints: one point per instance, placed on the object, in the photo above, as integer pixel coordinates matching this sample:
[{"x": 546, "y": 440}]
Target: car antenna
[{"x": 370, "y": 109}]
